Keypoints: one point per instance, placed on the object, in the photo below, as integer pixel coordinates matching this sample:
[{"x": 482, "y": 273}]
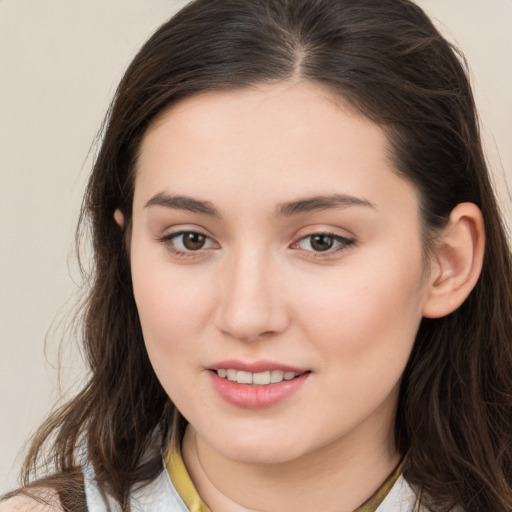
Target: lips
[
  {"x": 256, "y": 385},
  {"x": 258, "y": 378}
]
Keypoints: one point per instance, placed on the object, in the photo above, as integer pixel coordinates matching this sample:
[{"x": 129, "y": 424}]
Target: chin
[{"x": 262, "y": 449}]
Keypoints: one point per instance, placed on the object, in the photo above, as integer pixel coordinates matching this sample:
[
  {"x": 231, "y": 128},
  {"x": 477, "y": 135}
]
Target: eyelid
[
  {"x": 344, "y": 243},
  {"x": 167, "y": 241}
]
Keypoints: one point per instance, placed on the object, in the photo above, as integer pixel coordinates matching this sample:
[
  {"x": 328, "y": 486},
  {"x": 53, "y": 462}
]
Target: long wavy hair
[{"x": 386, "y": 59}]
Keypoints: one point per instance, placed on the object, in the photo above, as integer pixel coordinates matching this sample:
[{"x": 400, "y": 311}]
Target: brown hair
[{"x": 386, "y": 59}]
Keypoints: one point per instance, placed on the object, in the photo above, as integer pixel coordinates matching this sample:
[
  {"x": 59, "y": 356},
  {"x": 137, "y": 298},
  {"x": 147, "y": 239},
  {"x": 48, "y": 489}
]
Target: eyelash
[
  {"x": 344, "y": 243},
  {"x": 168, "y": 242}
]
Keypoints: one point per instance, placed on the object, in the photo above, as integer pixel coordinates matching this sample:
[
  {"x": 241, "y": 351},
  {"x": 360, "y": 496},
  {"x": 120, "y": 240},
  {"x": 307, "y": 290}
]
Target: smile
[
  {"x": 267, "y": 385},
  {"x": 259, "y": 379}
]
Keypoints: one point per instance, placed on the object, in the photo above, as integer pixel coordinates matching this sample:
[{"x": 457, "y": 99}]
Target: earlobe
[
  {"x": 456, "y": 262},
  {"x": 119, "y": 217}
]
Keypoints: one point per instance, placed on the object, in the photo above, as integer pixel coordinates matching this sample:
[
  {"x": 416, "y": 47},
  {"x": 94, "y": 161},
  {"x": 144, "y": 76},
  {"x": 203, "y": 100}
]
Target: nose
[{"x": 252, "y": 300}]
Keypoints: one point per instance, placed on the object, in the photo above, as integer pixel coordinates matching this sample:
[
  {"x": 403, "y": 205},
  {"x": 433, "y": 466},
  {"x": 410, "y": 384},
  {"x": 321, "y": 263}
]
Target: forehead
[
  {"x": 269, "y": 143},
  {"x": 306, "y": 96}
]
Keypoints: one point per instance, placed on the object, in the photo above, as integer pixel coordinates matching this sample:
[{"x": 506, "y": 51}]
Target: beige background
[{"x": 60, "y": 61}]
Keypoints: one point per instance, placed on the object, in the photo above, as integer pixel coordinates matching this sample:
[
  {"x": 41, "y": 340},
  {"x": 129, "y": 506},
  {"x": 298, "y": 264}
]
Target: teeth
[
  {"x": 259, "y": 379},
  {"x": 244, "y": 378},
  {"x": 276, "y": 376}
]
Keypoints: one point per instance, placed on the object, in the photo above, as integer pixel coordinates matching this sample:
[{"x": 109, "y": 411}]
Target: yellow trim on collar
[
  {"x": 181, "y": 479},
  {"x": 188, "y": 492},
  {"x": 373, "y": 503}
]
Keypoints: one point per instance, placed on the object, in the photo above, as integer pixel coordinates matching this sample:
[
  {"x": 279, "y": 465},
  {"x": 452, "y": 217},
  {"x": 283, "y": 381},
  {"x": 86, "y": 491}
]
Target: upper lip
[{"x": 255, "y": 366}]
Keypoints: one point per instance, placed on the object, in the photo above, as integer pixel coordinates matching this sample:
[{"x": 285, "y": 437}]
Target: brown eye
[
  {"x": 328, "y": 243},
  {"x": 321, "y": 242},
  {"x": 188, "y": 242},
  {"x": 193, "y": 241}
]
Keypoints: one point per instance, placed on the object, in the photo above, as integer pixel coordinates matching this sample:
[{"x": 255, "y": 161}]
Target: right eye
[{"x": 188, "y": 242}]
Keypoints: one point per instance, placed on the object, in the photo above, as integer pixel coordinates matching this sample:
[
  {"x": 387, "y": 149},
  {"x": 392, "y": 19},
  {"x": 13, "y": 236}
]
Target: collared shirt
[{"x": 174, "y": 491}]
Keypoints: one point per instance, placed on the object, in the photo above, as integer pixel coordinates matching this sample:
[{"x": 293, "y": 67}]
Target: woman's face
[{"x": 273, "y": 243}]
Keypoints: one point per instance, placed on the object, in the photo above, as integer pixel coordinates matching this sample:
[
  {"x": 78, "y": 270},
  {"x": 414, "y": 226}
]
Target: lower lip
[{"x": 251, "y": 396}]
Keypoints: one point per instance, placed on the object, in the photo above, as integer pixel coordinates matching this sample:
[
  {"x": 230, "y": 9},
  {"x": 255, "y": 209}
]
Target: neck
[{"x": 338, "y": 477}]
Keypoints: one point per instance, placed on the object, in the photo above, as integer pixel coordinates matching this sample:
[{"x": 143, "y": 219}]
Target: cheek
[
  {"x": 173, "y": 309},
  {"x": 365, "y": 322},
  {"x": 365, "y": 336}
]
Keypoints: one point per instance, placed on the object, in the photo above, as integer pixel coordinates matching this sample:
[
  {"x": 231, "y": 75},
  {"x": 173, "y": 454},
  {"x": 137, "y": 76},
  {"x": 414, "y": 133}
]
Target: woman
[{"x": 302, "y": 295}]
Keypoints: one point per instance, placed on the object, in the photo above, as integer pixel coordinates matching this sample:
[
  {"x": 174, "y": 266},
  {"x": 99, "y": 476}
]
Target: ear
[
  {"x": 119, "y": 217},
  {"x": 457, "y": 261}
]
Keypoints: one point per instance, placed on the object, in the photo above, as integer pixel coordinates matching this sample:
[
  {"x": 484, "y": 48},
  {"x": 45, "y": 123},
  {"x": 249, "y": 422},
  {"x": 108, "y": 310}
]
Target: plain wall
[{"x": 60, "y": 62}]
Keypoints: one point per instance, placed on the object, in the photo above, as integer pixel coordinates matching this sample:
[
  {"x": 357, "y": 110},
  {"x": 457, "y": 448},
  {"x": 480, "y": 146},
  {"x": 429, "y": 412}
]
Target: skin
[{"x": 258, "y": 290}]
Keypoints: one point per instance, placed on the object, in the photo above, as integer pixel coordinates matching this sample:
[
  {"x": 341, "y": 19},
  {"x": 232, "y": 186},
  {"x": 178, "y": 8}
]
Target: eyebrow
[
  {"x": 177, "y": 202},
  {"x": 288, "y": 209},
  {"x": 319, "y": 203}
]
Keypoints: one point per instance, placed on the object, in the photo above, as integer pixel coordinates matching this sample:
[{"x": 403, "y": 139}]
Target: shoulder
[{"x": 37, "y": 500}]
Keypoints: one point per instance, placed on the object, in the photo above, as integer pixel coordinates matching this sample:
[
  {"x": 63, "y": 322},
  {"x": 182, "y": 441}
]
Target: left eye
[
  {"x": 322, "y": 242},
  {"x": 189, "y": 241}
]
